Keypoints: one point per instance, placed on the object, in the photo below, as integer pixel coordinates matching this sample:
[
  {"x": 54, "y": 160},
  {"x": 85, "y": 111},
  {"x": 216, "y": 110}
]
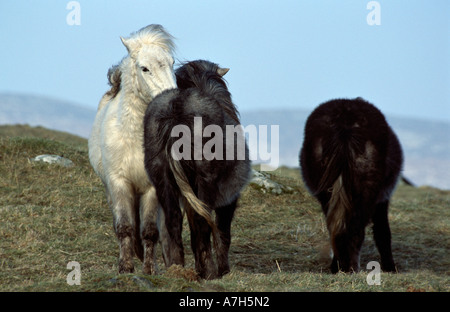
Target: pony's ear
[
  {"x": 129, "y": 44},
  {"x": 125, "y": 43},
  {"x": 222, "y": 71}
]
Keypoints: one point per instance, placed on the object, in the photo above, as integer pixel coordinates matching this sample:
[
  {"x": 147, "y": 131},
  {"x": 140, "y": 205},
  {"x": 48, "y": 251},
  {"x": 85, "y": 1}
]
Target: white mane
[{"x": 153, "y": 34}]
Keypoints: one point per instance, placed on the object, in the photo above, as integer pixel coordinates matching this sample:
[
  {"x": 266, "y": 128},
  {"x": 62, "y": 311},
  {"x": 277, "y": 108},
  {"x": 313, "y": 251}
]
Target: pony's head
[
  {"x": 207, "y": 77},
  {"x": 150, "y": 63},
  {"x": 190, "y": 74}
]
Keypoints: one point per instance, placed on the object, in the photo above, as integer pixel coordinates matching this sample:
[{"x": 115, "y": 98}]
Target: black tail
[{"x": 336, "y": 179}]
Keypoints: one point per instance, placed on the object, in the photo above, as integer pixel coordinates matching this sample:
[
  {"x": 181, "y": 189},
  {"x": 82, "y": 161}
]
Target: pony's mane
[
  {"x": 114, "y": 80},
  {"x": 203, "y": 75},
  {"x": 155, "y": 34}
]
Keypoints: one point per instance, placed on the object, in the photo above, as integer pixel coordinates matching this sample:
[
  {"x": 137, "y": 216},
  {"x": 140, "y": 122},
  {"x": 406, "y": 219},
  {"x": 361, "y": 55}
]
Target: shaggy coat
[
  {"x": 200, "y": 186},
  {"x": 350, "y": 161},
  {"x": 115, "y": 143}
]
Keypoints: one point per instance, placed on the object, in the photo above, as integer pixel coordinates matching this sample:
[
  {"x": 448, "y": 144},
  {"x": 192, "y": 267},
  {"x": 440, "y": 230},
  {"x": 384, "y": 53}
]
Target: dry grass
[{"x": 50, "y": 215}]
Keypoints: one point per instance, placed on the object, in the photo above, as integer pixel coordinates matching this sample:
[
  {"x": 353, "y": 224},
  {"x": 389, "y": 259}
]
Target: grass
[{"x": 51, "y": 215}]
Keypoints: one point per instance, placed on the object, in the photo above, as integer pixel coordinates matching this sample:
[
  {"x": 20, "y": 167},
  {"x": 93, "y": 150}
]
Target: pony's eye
[{"x": 144, "y": 69}]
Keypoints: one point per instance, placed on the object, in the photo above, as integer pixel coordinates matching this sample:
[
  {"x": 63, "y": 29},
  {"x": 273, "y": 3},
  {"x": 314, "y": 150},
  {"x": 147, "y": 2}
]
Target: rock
[
  {"x": 262, "y": 181},
  {"x": 122, "y": 281},
  {"x": 54, "y": 159},
  {"x": 143, "y": 282}
]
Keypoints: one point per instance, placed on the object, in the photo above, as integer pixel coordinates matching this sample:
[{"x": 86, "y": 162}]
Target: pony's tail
[
  {"x": 336, "y": 179},
  {"x": 339, "y": 208},
  {"x": 189, "y": 196},
  {"x": 186, "y": 190}
]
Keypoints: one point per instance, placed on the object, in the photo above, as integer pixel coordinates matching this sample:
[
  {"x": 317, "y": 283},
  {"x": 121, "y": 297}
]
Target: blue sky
[{"x": 282, "y": 54}]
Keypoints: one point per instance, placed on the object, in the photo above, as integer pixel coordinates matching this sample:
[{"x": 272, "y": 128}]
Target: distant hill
[
  {"x": 11, "y": 131},
  {"x": 47, "y": 112},
  {"x": 426, "y": 143}
]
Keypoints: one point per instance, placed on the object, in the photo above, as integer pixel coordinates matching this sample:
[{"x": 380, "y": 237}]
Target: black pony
[
  {"x": 350, "y": 161},
  {"x": 187, "y": 170}
]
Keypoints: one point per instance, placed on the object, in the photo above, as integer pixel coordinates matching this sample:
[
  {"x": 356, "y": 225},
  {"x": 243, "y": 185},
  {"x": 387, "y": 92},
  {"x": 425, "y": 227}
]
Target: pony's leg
[
  {"x": 355, "y": 243},
  {"x": 170, "y": 238},
  {"x": 341, "y": 259},
  {"x": 170, "y": 224},
  {"x": 346, "y": 249},
  {"x": 149, "y": 229},
  {"x": 338, "y": 241},
  {"x": 382, "y": 236},
  {"x": 224, "y": 216},
  {"x": 201, "y": 243},
  {"x": 122, "y": 199}
]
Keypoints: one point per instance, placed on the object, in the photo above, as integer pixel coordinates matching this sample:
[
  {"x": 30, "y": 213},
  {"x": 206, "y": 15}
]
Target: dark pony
[
  {"x": 199, "y": 185},
  {"x": 350, "y": 161}
]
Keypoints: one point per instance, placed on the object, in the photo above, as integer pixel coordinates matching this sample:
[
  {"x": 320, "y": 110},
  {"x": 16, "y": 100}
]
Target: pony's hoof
[
  {"x": 125, "y": 267},
  {"x": 149, "y": 269}
]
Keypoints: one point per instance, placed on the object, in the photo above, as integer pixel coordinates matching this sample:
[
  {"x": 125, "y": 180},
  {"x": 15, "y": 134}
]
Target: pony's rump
[{"x": 168, "y": 113}]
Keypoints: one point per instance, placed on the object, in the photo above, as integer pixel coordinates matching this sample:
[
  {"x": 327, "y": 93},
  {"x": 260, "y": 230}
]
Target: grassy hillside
[{"x": 51, "y": 215}]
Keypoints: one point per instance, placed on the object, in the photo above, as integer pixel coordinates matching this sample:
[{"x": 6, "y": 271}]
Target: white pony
[{"x": 116, "y": 142}]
